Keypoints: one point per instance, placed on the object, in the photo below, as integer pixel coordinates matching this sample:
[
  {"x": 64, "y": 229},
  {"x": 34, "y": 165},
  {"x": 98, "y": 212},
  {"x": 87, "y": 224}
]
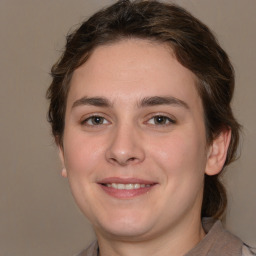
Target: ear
[
  {"x": 217, "y": 153},
  {"x": 61, "y": 156}
]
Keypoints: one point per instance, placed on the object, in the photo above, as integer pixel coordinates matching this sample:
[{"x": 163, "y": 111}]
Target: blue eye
[
  {"x": 160, "y": 120},
  {"x": 95, "y": 120}
]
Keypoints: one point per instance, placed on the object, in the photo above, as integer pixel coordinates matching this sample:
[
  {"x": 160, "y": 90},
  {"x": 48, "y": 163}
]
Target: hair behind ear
[
  {"x": 215, "y": 197},
  {"x": 217, "y": 152}
]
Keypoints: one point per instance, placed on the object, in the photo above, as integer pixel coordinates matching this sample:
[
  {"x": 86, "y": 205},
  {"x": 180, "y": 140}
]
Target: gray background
[{"x": 37, "y": 213}]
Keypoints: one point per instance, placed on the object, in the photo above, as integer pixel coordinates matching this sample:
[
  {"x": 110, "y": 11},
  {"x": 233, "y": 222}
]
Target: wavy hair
[{"x": 195, "y": 48}]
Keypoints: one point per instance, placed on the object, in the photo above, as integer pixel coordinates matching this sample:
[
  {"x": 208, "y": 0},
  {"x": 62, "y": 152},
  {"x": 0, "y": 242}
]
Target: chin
[
  {"x": 127, "y": 233},
  {"x": 125, "y": 227}
]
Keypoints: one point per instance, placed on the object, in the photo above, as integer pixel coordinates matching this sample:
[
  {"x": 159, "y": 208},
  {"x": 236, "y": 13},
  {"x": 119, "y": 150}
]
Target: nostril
[
  {"x": 113, "y": 159},
  {"x": 123, "y": 161},
  {"x": 124, "y": 155}
]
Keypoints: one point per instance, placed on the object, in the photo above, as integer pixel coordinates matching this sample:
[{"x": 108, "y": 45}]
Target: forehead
[{"x": 133, "y": 68}]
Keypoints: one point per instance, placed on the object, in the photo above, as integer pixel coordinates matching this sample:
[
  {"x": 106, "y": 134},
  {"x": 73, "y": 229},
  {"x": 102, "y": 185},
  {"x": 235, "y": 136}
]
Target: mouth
[{"x": 126, "y": 188}]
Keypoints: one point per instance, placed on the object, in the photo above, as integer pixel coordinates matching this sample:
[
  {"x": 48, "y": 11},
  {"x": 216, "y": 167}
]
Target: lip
[
  {"x": 125, "y": 181},
  {"x": 125, "y": 193}
]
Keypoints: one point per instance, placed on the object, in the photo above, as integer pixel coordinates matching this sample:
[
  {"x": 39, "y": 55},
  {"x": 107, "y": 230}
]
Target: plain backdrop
[{"x": 37, "y": 212}]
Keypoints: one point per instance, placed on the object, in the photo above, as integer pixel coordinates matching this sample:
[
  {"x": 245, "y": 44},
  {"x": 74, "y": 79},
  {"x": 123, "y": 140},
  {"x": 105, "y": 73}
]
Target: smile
[{"x": 127, "y": 186}]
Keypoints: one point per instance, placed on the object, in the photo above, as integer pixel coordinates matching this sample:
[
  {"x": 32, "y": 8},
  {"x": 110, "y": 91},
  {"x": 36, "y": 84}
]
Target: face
[{"x": 134, "y": 144}]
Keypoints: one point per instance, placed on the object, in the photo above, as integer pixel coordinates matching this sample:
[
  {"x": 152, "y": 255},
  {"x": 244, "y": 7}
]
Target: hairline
[{"x": 119, "y": 38}]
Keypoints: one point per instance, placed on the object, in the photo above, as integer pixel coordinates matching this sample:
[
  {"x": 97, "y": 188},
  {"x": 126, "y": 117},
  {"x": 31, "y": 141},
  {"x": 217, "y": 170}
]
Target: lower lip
[{"x": 125, "y": 193}]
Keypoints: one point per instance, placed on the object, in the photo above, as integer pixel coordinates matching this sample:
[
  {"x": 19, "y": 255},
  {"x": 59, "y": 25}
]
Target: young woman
[{"x": 140, "y": 111}]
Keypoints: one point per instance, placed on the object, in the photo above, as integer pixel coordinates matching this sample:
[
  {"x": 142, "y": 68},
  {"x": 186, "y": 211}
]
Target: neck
[{"x": 176, "y": 242}]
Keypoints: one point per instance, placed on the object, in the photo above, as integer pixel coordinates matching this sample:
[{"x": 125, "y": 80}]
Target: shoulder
[
  {"x": 219, "y": 241},
  {"x": 248, "y": 251},
  {"x": 92, "y": 250}
]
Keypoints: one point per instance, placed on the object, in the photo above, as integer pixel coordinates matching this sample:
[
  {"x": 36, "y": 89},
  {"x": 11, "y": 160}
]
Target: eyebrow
[
  {"x": 94, "y": 101},
  {"x": 162, "y": 100},
  {"x": 145, "y": 102}
]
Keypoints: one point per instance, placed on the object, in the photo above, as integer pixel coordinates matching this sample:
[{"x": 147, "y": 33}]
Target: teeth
[
  {"x": 120, "y": 186},
  {"x": 127, "y": 186},
  {"x": 136, "y": 186}
]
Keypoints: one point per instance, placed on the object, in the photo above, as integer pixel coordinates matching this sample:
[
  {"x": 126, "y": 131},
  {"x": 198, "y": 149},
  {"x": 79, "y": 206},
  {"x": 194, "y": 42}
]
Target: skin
[{"x": 163, "y": 143}]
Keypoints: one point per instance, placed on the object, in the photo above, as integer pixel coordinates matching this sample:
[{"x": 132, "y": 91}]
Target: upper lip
[{"x": 120, "y": 180}]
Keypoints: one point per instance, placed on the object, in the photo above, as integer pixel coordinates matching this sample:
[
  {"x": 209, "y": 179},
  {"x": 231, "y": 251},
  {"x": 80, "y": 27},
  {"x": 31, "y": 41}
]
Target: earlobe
[
  {"x": 61, "y": 156},
  {"x": 64, "y": 173},
  {"x": 217, "y": 153}
]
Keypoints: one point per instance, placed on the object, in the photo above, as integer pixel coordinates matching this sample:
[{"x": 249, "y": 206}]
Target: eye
[
  {"x": 95, "y": 120},
  {"x": 161, "y": 120}
]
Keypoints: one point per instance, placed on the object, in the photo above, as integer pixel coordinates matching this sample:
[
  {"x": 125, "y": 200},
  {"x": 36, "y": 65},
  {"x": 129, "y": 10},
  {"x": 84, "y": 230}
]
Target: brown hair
[{"x": 195, "y": 48}]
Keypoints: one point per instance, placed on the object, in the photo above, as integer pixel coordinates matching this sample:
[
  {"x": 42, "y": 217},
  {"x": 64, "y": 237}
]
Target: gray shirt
[{"x": 217, "y": 242}]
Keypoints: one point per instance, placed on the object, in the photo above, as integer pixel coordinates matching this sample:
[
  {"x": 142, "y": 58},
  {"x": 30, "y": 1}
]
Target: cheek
[
  {"x": 81, "y": 153},
  {"x": 179, "y": 155},
  {"x": 180, "y": 163},
  {"x": 82, "y": 159}
]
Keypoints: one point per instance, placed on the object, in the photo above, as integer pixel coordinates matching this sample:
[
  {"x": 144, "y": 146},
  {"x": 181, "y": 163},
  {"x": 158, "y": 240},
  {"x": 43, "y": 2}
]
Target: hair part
[{"x": 194, "y": 46}]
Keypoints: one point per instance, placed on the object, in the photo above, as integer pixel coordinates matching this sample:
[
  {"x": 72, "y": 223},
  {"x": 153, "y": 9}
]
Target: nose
[{"x": 125, "y": 147}]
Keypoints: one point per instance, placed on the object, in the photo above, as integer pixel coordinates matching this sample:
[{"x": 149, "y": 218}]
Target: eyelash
[
  {"x": 103, "y": 121},
  {"x": 90, "y": 119},
  {"x": 164, "y": 118}
]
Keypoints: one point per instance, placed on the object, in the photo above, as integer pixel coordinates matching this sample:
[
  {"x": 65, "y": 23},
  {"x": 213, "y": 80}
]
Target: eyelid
[
  {"x": 87, "y": 117},
  {"x": 172, "y": 120}
]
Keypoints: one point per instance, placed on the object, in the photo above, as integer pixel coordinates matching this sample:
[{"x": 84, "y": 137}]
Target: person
[{"x": 140, "y": 111}]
